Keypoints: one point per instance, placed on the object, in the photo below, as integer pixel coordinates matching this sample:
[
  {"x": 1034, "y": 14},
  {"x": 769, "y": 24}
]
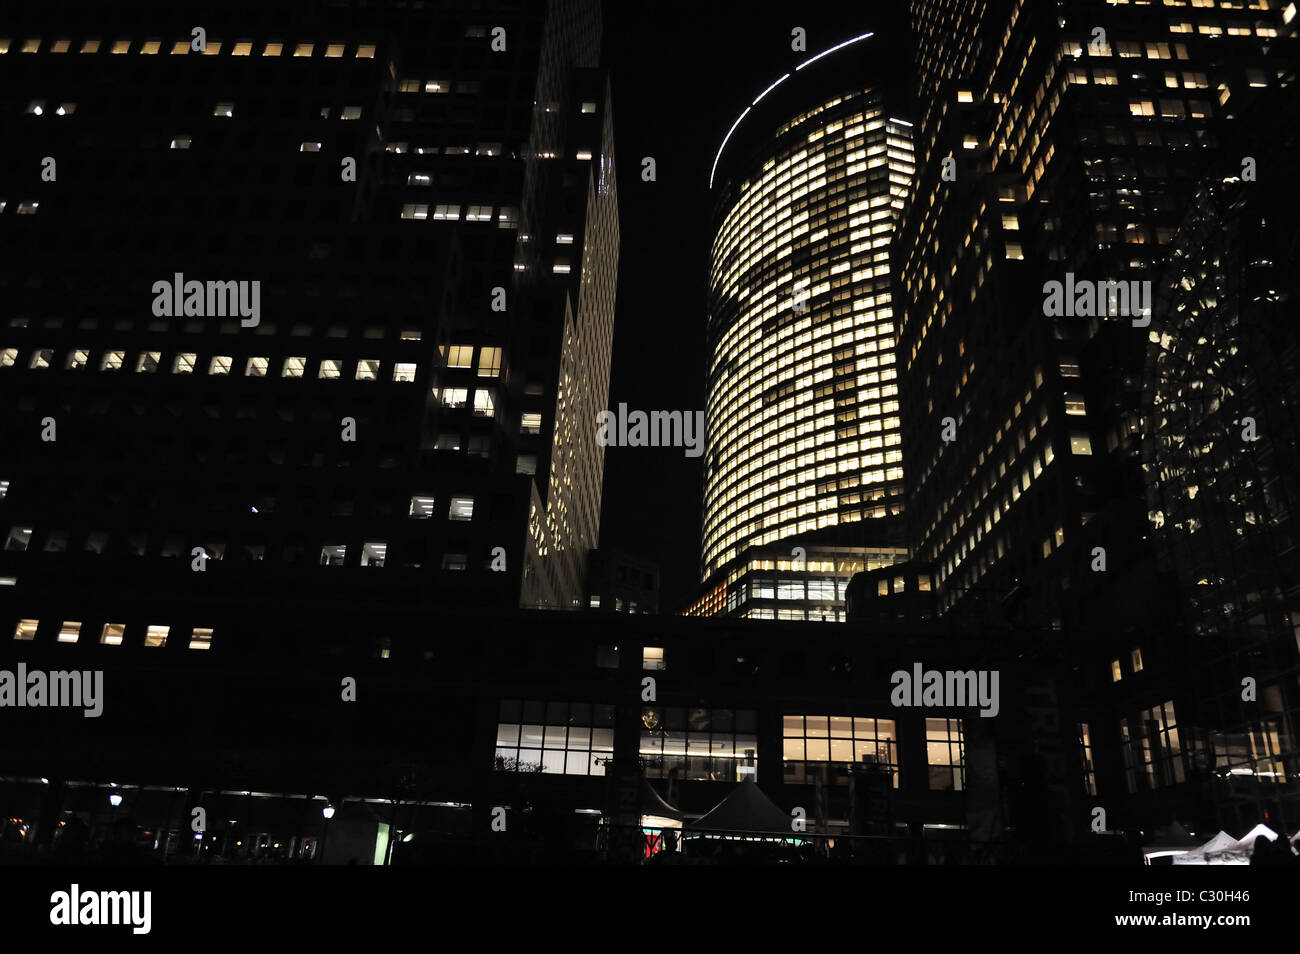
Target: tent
[
  {"x": 1219, "y": 850},
  {"x": 1247, "y": 841},
  {"x": 655, "y": 812},
  {"x": 1169, "y": 842},
  {"x": 746, "y": 810}
]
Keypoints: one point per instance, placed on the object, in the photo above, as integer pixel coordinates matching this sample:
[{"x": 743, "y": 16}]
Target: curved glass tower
[{"x": 802, "y": 406}]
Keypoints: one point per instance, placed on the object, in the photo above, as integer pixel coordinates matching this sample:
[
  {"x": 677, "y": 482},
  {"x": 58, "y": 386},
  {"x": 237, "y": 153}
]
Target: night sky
[{"x": 680, "y": 74}]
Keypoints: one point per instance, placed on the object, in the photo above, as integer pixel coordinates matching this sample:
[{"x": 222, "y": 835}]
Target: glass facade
[{"x": 802, "y": 408}]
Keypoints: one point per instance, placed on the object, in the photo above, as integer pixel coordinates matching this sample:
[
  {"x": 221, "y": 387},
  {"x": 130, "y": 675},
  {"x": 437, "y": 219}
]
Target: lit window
[
  {"x": 531, "y": 423},
  {"x": 8, "y": 357},
  {"x": 90, "y": 46},
  {"x": 561, "y": 266},
  {"x": 484, "y": 403},
  {"x": 60, "y": 46},
  {"x": 112, "y": 360},
  {"x": 333, "y": 555},
  {"x": 583, "y": 154},
  {"x": 156, "y": 635},
  {"x": 293, "y": 367},
  {"x": 563, "y": 239},
  {"x": 1116, "y": 674},
  {"x": 455, "y": 397},
  {"x": 309, "y": 147},
  {"x": 447, "y": 213},
  {"x": 224, "y": 109},
  {"x": 78, "y": 359},
  {"x": 508, "y": 218},
  {"x": 334, "y": 50},
  {"x": 437, "y": 86},
  {"x": 404, "y": 371},
  {"x": 4, "y": 489},
  {"x": 1136, "y": 656},
  {"x": 112, "y": 633},
  {"x": 367, "y": 369},
  {"x": 558, "y": 738},
  {"x": 489, "y": 363},
  {"x": 460, "y": 356},
  {"x": 944, "y": 754},
  {"x": 462, "y": 508},
  {"x": 488, "y": 149},
  {"x": 455, "y": 561},
  {"x": 478, "y": 213},
  {"x": 304, "y": 49},
  {"x": 148, "y": 362},
  {"x": 201, "y": 638},
  {"x": 414, "y": 210},
  {"x": 121, "y": 46},
  {"x": 1080, "y": 444},
  {"x": 652, "y": 657},
  {"x": 588, "y": 107},
  {"x": 242, "y": 48},
  {"x": 421, "y": 507},
  {"x": 41, "y": 358},
  {"x": 180, "y": 47},
  {"x": 526, "y": 464},
  {"x": 220, "y": 364},
  {"x": 350, "y": 112},
  {"x": 330, "y": 369},
  {"x": 410, "y": 335},
  {"x": 273, "y": 49},
  {"x": 184, "y": 363},
  {"x": 366, "y": 51},
  {"x": 35, "y": 108},
  {"x": 28, "y": 208},
  {"x": 212, "y": 48},
  {"x": 181, "y": 142},
  {"x": 26, "y": 629},
  {"x": 69, "y": 632},
  {"x": 256, "y": 367}
]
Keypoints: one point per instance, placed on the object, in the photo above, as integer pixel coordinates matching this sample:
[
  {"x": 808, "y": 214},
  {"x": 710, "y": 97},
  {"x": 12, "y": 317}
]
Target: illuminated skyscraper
[
  {"x": 1063, "y": 143},
  {"x": 1075, "y": 134},
  {"x": 804, "y": 444}
]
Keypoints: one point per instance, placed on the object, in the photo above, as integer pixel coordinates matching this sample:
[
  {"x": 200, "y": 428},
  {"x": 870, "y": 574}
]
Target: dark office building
[
  {"x": 1221, "y": 450},
  {"x": 1059, "y": 147},
  {"x": 621, "y": 583},
  {"x": 316, "y": 300},
  {"x": 544, "y": 715}
]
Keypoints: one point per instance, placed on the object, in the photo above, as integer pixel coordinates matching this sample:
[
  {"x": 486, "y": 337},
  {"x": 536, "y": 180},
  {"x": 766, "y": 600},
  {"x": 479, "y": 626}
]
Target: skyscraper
[
  {"x": 1073, "y": 136},
  {"x": 802, "y": 406},
  {"x": 1221, "y": 452},
  {"x": 311, "y": 307},
  {"x": 1061, "y": 146}
]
